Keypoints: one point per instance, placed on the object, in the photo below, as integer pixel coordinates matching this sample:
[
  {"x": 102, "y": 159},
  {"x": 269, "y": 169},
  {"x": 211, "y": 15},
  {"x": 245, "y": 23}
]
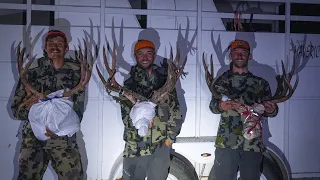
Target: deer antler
[
  {"x": 237, "y": 26},
  {"x": 23, "y": 71},
  {"x": 86, "y": 70},
  {"x": 111, "y": 84},
  {"x": 210, "y": 79},
  {"x": 284, "y": 89},
  {"x": 174, "y": 72},
  {"x": 32, "y": 94}
]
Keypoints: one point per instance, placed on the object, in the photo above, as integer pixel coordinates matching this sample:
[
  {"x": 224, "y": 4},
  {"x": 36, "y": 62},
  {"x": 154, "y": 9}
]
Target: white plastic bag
[
  {"x": 141, "y": 115},
  {"x": 56, "y": 114}
]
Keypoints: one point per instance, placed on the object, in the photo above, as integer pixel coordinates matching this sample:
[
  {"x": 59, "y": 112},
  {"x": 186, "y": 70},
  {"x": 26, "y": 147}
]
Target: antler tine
[
  {"x": 207, "y": 73},
  {"x": 106, "y": 64},
  {"x": 114, "y": 58},
  {"x": 168, "y": 86},
  {"x": 85, "y": 70},
  {"x": 182, "y": 66},
  {"x": 174, "y": 72},
  {"x": 20, "y": 57},
  {"x": 177, "y": 59},
  {"x": 85, "y": 56},
  {"x": 88, "y": 67},
  {"x": 24, "y": 79},
  {"x": 101, "y": 76},
  {"x": 211, "y": 65},
  {"x": 23, "y": 71},
  {"x": 210, "y": 79},
  {"x": 287, "y": 90},
  {"x": 171, "y": 53},
  {"x": 284, "y": 79},
  {"x": 111, "y": 84}
]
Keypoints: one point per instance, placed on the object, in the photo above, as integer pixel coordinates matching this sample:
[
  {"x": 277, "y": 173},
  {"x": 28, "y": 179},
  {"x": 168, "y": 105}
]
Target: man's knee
[
  {"x": 225, "y": 163},
  {"x": 159, "y": 168},
  {"x": 67, "y": 163},
  {"x": 135, "y": 168},
  {"x": 32, "y": 164},
  {"x": 250, "y": 165}
]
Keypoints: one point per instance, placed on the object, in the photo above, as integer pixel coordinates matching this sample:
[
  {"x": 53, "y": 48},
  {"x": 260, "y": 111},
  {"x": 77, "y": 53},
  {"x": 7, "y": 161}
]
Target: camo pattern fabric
[
  {"x": 63, "y": 152},
  {"x": 168, "y": 119},
  {"x": 249, "y": 89}
]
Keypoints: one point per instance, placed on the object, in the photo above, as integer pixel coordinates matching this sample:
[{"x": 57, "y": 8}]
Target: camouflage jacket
[
  {"x": 249, "y": 88},
  {"x": 167, "y": 122},
  {"x": 46, "y": 76}
]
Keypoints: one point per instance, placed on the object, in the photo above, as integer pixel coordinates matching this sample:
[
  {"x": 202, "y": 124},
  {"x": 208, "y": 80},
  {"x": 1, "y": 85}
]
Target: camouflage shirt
[
  {"x": 249, "y": 88},
  {"x": 51, "y": 79},
  {"x": 167, "y": 122}
]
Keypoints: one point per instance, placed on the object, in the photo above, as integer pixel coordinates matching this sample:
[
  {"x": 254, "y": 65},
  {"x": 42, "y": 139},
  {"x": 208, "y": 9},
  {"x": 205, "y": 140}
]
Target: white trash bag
[
  {"x": 56, "y": 114},
  {"x": 141, "y": 115}
]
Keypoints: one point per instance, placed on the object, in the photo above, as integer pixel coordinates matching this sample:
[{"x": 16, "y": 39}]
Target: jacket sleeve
[
  {"x": 214, "y": 103},
  {"x": 175, "y": 120},
  {"x": 125, "y": 105},
  {"x": 267, "y": 94},
  {"x": 214, "y": 106},
  {"x": 79, "y": 97},
  {"x": 19, "y": 94},
  {"x": 79, "y": 103}
]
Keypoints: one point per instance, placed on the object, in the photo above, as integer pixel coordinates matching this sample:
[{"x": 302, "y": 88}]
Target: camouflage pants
[{"x": 65, "y": 161}]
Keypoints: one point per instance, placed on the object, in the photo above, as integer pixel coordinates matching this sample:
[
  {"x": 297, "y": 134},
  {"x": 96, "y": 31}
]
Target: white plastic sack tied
[
  {"x": 141, "y": 115},
  {"x": 56, "y": 114}
]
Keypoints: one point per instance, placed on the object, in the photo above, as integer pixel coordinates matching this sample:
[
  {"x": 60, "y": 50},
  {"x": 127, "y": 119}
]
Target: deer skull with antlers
[
  {"x": 111, "y": 85},
  {"x": 252, "y": 127},
  {"x": 33, "y": 95}
]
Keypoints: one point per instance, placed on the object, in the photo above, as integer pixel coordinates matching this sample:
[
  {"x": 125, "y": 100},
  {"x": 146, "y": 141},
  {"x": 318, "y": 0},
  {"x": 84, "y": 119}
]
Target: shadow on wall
[
  {"x": 64, "y": 26},
  {"x": 25, "y": 42},
  {"x": 260, "y": 70}
]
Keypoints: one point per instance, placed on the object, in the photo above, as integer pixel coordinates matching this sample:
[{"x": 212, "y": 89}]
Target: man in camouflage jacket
[
  {"x": 53, "y": 73},
  {"x": 149, "y": 155},
  {"x": 239, "y": 85}
]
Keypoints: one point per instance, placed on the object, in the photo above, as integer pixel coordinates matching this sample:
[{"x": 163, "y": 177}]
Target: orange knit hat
[{"x": 143, "y": 44}]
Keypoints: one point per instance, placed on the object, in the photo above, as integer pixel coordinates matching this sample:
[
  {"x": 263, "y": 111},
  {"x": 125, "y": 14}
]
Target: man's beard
[
  {"x": 144, "y": 67},
  {"x": 56, "y": 54},
  {"x": 242, "y": 64}
]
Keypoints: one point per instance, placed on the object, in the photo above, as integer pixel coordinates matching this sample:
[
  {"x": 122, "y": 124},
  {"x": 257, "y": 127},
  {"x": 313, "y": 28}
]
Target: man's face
[
  {"x": 56, "y": 48},
  {"x": 145, "y": 57},
  {"x": 240, "y": 57}
]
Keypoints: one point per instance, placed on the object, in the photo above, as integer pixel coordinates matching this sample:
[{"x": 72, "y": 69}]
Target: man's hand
[
  {"x": 269, "y": 106},
  {"x": 228, "y": 105},
  {"x": 168, "y": 143},
  {"x": 50, "y": 134}
]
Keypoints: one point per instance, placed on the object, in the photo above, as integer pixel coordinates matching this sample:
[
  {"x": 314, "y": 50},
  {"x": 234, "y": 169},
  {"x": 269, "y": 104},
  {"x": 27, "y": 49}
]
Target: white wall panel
[
  {"x": 102, "y": 129},
  {"x": 175, "y": 5},
  {"x": 77, "y": 19},
  {"x": 80, "y": 2},
  {"x": 12, "y": 40},
  {"x": 303, "y": 136},
  {"x": 10, "y": 141}
]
